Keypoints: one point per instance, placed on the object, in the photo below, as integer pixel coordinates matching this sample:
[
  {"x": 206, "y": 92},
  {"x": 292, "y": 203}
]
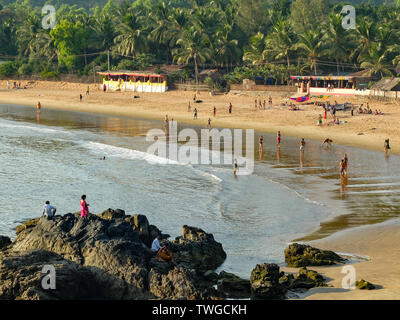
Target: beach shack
[
  {"x": 133, "y": 81},
  {"x": 342, "y": 85},
  {"x": 389, "y": 88}
]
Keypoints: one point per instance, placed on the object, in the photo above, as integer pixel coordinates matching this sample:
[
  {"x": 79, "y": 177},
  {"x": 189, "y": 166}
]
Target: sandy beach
[
  {"x": 365, "y": 131},
  {"x": 377, "y": 242}
]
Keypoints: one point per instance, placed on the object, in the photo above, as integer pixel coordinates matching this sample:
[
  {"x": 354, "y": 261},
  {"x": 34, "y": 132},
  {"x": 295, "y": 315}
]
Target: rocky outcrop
[
  {"x": 4, "y": 242},
  {"x": 364, "y": 285},
  {"x": 265, "y": 283},
  {"x": 307, "y": 279},
  {"x": 233, "y": 286},
  {"x": 299, "y": 255},
  {"x": 106, "y": 255},
  {"x": 198, "y": 250}
]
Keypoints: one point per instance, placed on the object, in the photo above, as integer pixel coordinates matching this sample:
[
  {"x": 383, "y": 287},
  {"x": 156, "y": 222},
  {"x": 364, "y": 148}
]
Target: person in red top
[
  {"x": 84, "y": 207},
  {"x": 230, "y": 107},
  {"x": 278, "y": 139}
]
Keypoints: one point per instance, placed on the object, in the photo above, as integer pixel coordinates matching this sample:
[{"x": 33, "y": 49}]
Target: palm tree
[
  {"x": 131, "y": 39},
  {"x": 227, "y": 51},
  {"x": 312, "y": 44},
  {"x": 105, "y": 33},
  {"x": 365, "y": 36},
  {"x": 282, "y": 41},
  {"x": 337, "y": 40},
  {"x": 254, "y": 53},
  {"x": 376, "y": 61},
  {"x": 193, "y": 46}
]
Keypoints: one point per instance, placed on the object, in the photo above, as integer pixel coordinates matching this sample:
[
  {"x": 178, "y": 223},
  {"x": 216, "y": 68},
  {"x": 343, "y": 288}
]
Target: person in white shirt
[
  {"x": 49, "y": 211},
  {"x": 156, "y": 244}
]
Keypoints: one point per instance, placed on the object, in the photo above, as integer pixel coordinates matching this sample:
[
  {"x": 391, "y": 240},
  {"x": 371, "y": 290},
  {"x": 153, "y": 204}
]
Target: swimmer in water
[
  {"x": 327, "y": 142},
  {"x": 235, "y": 167}
]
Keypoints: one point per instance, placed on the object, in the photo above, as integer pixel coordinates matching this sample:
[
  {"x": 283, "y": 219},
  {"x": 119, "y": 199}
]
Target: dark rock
[
  {"x": 299, "y": 255},
  {"x": 4, "y": 242},
  {"x": 111, "y": 214},
  {"x": 178, "y": 284},
  {"x": 211, "y": 276},
  {"x": 233, "y": 286},
  {"x": 308, "y": 279},
  {"x": 364, "y": 285},
  {"x": 198, "y": 250},
  {"x": 265, "y": 283},
  {"x": 286, "y": 280}
]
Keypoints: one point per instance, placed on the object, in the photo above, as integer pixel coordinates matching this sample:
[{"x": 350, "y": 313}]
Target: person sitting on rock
[
  {"x": 155, "y": 247},
  {"x": 49, "y": 211},
  {"x": 164, "y": 255}
]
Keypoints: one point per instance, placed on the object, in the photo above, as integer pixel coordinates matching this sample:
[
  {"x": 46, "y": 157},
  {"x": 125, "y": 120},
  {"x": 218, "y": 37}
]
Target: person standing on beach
[
  {"x": 104, "y": 88},
  {"x": 342, "y": 168},
  {"x": 189, "y": 107},
  {"x": 80, "y": 97},
  {"x": 87, "y": 90},
  {"x": 8, "y": 85},
  {"x": 302, "y": 145},
  {"x": 278, "y": 139},
  {"x": 209, "y": 123},
  {"x": 260, "y": 142},
  {"x": 346, "y": 163},
  {"x": 195, "y": 114},
  {"x": 39, "y": 106},
  {"x": 84, "y": 206},
  {"x": 215, "y": 112},
  {"x": 270, "y": 101},
  {"x": 230, "y": 108}
]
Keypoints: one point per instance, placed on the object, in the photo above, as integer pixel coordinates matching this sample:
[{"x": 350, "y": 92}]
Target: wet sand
[{"x": 378, "y": 242}]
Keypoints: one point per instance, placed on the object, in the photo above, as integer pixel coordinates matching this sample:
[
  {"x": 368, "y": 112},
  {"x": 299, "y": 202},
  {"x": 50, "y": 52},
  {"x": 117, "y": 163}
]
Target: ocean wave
[{"x": 39, "y": 128}]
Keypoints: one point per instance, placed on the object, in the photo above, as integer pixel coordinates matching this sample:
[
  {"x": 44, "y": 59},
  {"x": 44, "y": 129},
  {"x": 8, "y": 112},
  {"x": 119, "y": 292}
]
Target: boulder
[
  {"x": 110, "y": 247},
  {"x": 233, "y": 286},
  {"x": 308, "y": 279},
  {"x": 364, "y": 285},
  {"x": 198, "y": 250},
  {"x": 179, "y": 284},
  {"x": 4, "y": 242},
  {"x": 265, "y": 283},
  {"x": 27, "y": 225},
  {"x": 299, "y": 255},
  {"x": 211, "y": 276},
  {"x": 111, "y": 214}
]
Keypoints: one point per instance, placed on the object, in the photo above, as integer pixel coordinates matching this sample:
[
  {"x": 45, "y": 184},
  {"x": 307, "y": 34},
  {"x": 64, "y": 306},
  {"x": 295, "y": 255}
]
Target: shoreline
[
  {"x": 364, "y": 131},
  {"x": 375, "y": 243}
]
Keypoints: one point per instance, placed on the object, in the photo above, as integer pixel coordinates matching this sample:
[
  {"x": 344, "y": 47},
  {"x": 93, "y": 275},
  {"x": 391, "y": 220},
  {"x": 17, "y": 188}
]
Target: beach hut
[
  {"x": 135, "y": 81},
  {"x": 341, "y": 85},
  {"x": 387, "y": 88}
]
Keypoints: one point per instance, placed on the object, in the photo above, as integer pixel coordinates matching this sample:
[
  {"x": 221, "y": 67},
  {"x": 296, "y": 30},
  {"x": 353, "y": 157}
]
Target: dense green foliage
[{"x": 244, "y": 38}]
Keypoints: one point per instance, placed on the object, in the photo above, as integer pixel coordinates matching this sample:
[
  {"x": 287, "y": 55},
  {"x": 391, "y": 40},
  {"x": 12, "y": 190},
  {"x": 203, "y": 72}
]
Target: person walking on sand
[
  {"x": 278, "y": 139},
  {"x": 80, "y": 97},
  {"x": 8, "y": 85},
  {"x": 387, "y": 146},
  {"x": 84, "y": 206},
  {"x": 215, "y": 112},
  {"x": 104, "y": 88},
  {"x": 270, "y": 101},
  {"x": 209, "y": 123},
  {"x": 189, "y": 107},
  {"x": 195, "y": 114},
  {"x": 230, "y": 108},
  {"x": 260, "y": 142},
  {"x": 39, "y": 106},
  {"x": 87, "y": 90}
]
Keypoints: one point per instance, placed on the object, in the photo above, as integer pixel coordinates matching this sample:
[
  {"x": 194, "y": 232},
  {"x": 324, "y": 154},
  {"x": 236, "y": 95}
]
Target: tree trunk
[
  {"x": 196, "y": 71},
  {"x": 108, "y": 59}
]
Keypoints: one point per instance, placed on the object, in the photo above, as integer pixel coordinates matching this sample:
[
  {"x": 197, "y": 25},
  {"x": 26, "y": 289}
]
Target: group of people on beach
[{"x": 262, "y": 105}]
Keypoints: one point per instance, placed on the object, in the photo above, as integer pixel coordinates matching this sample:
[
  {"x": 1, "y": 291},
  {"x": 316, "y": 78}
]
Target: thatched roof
[
  {"x": 360, "y": 74},
  {"x": 386, "y": 84}
]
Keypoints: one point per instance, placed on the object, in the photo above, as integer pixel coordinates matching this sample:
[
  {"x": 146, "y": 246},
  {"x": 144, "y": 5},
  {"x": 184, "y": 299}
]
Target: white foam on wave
[
  {"x": 39, "y": 128},
  {"x": 125, "y": 153}
]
